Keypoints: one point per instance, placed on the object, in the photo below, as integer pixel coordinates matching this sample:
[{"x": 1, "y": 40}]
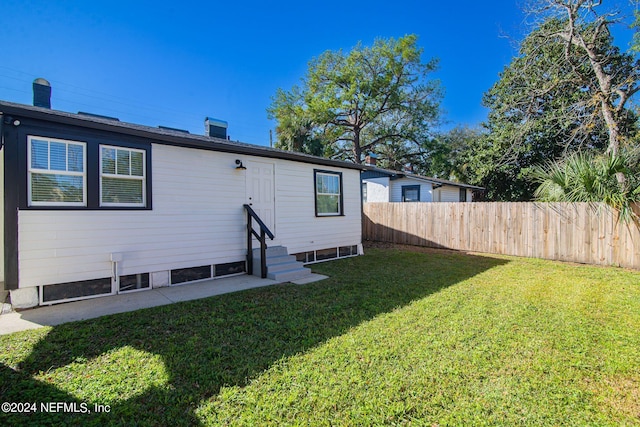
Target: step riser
[
  {"x": 280, "y": 265},
  {"x": 272, "y": 251},
  {"x": 277, "y": 271},
  {"x": 272, "y": 267},
  {"x": 277, "y": 260}
]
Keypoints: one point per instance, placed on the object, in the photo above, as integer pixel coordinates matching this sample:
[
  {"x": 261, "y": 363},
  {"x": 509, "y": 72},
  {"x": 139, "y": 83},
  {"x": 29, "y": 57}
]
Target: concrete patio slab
[
  {"x": 52, "y": 315},
  {"x": 313, "y": 277}
]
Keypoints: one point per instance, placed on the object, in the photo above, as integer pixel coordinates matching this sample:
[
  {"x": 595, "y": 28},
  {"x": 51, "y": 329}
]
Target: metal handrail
[{"x": 264, "y": 232}]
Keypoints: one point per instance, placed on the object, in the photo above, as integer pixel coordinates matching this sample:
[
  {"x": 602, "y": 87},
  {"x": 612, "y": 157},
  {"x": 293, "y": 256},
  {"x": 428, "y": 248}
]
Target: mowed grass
[{"x": 398, "y": 336}]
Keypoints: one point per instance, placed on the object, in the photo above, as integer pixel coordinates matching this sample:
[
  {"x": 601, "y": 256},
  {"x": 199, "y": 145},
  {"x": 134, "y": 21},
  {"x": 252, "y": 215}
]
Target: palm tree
[{"x": 590, "y": 177}]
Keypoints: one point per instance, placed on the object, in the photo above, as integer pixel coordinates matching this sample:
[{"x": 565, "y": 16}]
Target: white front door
[{"x": 261, "y": 192}]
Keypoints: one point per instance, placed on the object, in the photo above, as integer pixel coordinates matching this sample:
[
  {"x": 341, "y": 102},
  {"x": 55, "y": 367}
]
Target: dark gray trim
[
  {"x": 370, "y": 174},
  {"x": 374, "y": 172},
  {"x": 165, "y": 136},
  {"x": 410, "y": 187},
  {"x": 1, "y": 130},
  {"x": 93, "y": 140},
  {"x": 11, "y": 178},
  {"x": 315, "y": 193},
  {"x": 463, "y": 195}
]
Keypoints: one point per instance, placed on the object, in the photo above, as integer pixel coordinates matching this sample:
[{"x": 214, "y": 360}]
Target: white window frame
[
  {"x": 142, "y": 178},
  {"x": 339, "y": 193},
  {"x": 31, "y": 170}
]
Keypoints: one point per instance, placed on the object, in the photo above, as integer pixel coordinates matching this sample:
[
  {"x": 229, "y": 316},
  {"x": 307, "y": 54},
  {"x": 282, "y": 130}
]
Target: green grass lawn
[{"x": 395, "y": 337}]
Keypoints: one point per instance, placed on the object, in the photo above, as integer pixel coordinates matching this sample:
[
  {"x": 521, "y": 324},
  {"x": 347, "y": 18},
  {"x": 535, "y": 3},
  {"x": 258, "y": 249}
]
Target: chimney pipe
[
  {"x": 370, "y": 159},
  {"x": 41, "y": 93}
]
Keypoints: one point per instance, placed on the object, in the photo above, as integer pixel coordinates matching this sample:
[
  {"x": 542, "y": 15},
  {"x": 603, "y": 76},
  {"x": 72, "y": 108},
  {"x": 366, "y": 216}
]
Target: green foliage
[
  {"x": 544, "y": 107},
  {"x": 295, "y": 127},
  {"x": 446, "y": 155},
  {"x": 393, "y": 337},
  {"x": 591, "y": 177},
  {"x": 354, "y": 103},
  {"x": 635, "y": 45}
]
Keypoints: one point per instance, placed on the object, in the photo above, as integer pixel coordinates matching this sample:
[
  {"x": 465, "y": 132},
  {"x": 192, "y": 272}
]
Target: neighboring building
[
  {"x": 382, "y": 185},
  {"x": 93, "y": 206}
]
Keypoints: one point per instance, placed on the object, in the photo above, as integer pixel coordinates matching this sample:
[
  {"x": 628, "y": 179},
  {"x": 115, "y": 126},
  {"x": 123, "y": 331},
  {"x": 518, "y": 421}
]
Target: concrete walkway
[{"x": 88, "y": 309}]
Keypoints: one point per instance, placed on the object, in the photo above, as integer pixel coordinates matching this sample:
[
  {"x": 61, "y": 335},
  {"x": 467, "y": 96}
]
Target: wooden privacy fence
[{"x": 577, "y": 232}]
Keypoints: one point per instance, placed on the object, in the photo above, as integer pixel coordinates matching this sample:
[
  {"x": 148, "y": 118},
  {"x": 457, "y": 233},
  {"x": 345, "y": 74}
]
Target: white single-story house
[
  {"x": 383, "y": 185},
  {"x": 93, "y": 206}
]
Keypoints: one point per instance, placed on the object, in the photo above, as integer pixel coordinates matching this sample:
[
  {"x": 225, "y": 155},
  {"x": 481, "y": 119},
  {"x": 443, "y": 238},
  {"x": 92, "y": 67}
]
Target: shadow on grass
[{"x": 229, "y": 339}]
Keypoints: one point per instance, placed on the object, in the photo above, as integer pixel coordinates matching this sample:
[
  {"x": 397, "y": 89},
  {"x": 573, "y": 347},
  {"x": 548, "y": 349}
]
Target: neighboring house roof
[
  {"x": 375, "y": 172},
  {"x": 164, "y": 135}
]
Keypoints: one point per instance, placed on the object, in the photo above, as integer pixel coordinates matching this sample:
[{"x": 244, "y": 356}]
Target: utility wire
[{"x": 98, "y": 101}]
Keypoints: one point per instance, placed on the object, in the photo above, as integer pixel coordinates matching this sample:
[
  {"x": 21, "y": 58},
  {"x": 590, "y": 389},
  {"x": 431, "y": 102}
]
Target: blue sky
[{"x": 173, "y": 63}]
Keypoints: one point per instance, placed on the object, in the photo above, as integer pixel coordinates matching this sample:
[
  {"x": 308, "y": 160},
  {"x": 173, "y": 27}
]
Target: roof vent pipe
[{"x": 41, "y": 93}]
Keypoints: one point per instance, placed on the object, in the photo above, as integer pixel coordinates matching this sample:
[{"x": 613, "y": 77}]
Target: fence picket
[{"x": 563, "y": 231}]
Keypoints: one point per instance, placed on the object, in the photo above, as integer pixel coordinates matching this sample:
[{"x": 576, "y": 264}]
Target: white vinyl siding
[
  {"x": 297, "y": 226},
  {"x": 395, "y": 193},
  {"x": 449, "y": 193},
  {"x": 122, "y": 176},
  {"x": 56, "y": 172},
  {"x": 197, "y": 219},
  {"x": 469, "y": 195}
]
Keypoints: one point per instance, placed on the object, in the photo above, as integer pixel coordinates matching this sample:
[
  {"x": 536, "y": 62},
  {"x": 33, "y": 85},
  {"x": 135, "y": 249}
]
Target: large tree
[
  {"x": 537, "y": 111},
  {"x": 372, "y": 99},
  {"x": 446, "y": 155},
  {"x": 612, "y": 77},
  {"x": 549, "y": 103},
  {"x": 612, "y": 177}
]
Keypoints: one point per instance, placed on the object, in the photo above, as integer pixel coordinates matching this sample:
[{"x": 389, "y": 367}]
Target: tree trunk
[
  {"x": 574, "y": 36},
  {"x": 612, "y": 127},
  {"x": 357, "y": 150}
]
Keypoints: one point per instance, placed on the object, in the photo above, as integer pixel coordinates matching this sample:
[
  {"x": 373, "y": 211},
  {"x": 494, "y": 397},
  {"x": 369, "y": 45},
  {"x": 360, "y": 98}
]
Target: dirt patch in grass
[{"x": 622, "y": 396}]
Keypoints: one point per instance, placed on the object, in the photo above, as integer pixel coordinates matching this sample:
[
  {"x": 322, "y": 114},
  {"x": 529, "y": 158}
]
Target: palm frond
[{"x": 588, "y": 177}]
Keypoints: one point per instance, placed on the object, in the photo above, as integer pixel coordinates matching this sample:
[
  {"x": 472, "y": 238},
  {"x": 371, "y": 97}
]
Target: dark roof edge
[
  {"x": 399, "y": 174},
  {"x": 167, "y": 136}
]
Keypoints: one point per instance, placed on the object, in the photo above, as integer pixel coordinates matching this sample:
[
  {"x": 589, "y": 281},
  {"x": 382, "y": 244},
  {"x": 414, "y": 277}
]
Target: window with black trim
[
  {"x": 463, "y": 194},
  {"x": 56, "y": 172},
  {"x": 328, "y": 193},
  {"x": 65, "y": 173},
  {"x": 122, "y": 176},
  {"x": 410, "y": 193}
]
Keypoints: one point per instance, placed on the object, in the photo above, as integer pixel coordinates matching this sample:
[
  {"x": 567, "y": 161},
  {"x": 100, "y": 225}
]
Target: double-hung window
[
  {"x": 122, "y": 176},
  {"x": 328, "y": 191},
  {"x": 57, "y": 172}
]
